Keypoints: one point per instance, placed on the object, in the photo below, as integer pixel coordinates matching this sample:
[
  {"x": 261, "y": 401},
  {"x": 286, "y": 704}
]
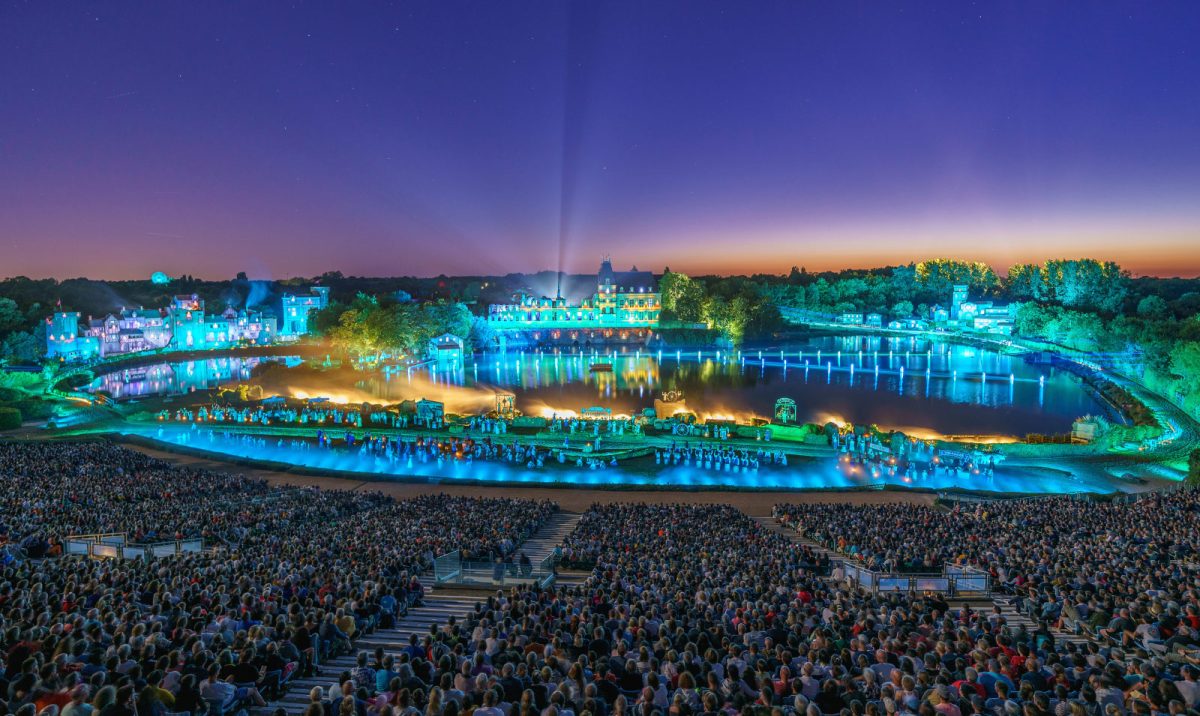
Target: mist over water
[{"x": 942, "y": 391}]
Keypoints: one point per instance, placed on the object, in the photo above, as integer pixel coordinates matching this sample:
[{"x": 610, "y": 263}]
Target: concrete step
[
  {"x": 552, "y": 534},
  {"x": 541, "y": 544},
  {"x": 770, "y": 523},
  {"x": 435, "y": 611},
  {"x": 1016, "y": 619}
]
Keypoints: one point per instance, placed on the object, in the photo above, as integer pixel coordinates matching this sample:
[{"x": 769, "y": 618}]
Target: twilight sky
[{"x": 494, "y": 136}]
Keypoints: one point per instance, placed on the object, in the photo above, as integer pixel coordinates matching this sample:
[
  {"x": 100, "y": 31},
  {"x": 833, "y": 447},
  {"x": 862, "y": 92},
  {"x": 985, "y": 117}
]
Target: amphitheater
[{"x": 150, "y": 583}]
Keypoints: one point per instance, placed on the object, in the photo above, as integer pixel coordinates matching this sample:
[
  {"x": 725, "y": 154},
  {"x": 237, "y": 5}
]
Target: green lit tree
[
  {"x": 23, "y": 346},
  {"x": 682, "y": 297},
  {"x": 1085, "y": 283},
  {"x": 1185, "y": 363},
  {"x": 938, "y": 277},
  {"x": 1025, "y": 282},
  {"x": 1153, "y": 307},
  {"x": 1034, "y": 320},
  {"x": 10, "y": 315}
]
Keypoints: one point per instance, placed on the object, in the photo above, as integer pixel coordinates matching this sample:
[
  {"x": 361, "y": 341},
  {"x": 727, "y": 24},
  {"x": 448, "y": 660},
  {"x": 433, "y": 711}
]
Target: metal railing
[
  {"x": 114, "y": 545},
  {"x": 452, "y": 569},
  {"x": 447, "y": 568},
  {"x": 954, "y": 581}
]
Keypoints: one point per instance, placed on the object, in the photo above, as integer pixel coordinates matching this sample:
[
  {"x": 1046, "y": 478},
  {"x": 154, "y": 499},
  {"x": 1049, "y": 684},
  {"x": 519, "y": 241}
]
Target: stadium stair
[
  {"x": 434, "y": 611},
  {"x": 542, "y": 543},
  {"x": 438, "y": 606},
  {"x": 770, "y": 523},
  {"x": 1015, "y": 619}
]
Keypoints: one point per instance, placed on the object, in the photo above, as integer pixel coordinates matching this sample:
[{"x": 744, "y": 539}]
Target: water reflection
[
  {"x": 895, "y": 382},
  {"x": 179, "y": 377}
]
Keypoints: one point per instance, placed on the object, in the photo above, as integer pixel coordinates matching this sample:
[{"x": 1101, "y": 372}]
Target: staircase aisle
[
  {"x": 770, "y": 524},
  {"x": 1015, "y": 619},
  {"x": 542, "y": 543},
  {"x": 435, "y": 611},
  {"x": 438, "y": 607}
]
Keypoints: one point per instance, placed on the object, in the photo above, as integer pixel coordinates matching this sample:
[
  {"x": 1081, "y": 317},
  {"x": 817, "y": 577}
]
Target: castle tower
[
  {"x": 957, "y": 299},
  {"x": 606, "y": 291},
  {"x": 187, "y": 320},
  {"x": 61, "y": 331},
  {"x": 322, "y": 294}
]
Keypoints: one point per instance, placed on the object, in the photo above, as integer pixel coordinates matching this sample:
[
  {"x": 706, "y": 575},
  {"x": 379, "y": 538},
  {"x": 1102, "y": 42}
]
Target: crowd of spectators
[
  {"x": 1125, "y": 574},
  {"x": 294, "y": 576},
  {"x": 699, "y": 610},
  {"x": 685, "y": 610},
  {"x": 1062, "y": 557},
  {"x": 53, "y": 489}
]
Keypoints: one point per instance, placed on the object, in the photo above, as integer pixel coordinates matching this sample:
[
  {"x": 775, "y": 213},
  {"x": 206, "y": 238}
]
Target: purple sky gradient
[{"x": 489, "y": 137}]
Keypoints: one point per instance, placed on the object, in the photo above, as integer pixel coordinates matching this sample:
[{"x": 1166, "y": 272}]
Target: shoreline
[
  {"x": 641, "y": 489},
  {"x": 569, "y": 499},
  {"x": 1116, "y": 468}
]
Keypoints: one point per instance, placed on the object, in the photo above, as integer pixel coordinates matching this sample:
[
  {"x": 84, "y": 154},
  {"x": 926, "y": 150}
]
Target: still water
[
  {"x": 180, "y": 377},
  {"x": 901, "y": 383}
]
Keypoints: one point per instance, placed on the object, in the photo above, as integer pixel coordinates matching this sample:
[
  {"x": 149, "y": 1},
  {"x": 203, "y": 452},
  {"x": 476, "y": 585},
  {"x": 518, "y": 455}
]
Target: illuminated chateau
[
  {"x": 623, "y": 300},
  {"x": 182, "y": 326},
  {"x": 963, "y": 314},
  {"x": 981, "y": 316},
  {"x": 297, "y": 308},
  {"x": 192, "y": 329}
]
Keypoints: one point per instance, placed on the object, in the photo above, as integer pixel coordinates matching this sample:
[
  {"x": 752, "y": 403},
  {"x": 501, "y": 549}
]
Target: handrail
[
  {"x": 447, "y": 567},
  {"x": 451, "y": 568},
  {"x": 549, "y": 567},
  {"x": 954, "y": 580},
  {"x": 112, "y": 545},
  {"x": 100, "y": 536}
]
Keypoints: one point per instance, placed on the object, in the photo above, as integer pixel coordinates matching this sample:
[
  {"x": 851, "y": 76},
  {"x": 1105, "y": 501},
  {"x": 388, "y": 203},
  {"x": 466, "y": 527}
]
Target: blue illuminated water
[
  {"x": 940, "y": 387},
  {"x": 892, "y": 382},
  {"x": 179, "y": 377},
  {"x": 810, "y": 475}
]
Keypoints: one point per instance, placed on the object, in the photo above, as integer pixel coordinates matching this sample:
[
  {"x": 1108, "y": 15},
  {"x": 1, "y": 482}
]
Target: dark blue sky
[{"x": 420, "y": 138}]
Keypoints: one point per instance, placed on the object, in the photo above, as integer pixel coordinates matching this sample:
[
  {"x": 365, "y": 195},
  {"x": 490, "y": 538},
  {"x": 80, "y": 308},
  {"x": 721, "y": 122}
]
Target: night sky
[{"x": 492, "y": 136}]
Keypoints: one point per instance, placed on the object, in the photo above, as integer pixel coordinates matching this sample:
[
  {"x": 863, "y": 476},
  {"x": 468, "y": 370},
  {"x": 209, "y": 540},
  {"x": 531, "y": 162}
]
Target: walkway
[
  {"x": 434, "y": 612},
  {"x": 438, "y": 607},
  {"x": 542, "y": 543},
  {"x": 772, "y": 524},
  {"x": 551, "y": 534}
]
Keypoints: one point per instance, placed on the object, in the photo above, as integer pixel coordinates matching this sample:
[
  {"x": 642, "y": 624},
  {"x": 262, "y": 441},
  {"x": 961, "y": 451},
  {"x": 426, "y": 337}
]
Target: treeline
[
  {"x": 736, "y": 307},
  {"x": 749, "y": 306},
  {"x": 370, "y": 328},
  {"x": 915, "y": 289},
  {"x": 1158, "y": 342},
  {"x": 25, "y": 303}
]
